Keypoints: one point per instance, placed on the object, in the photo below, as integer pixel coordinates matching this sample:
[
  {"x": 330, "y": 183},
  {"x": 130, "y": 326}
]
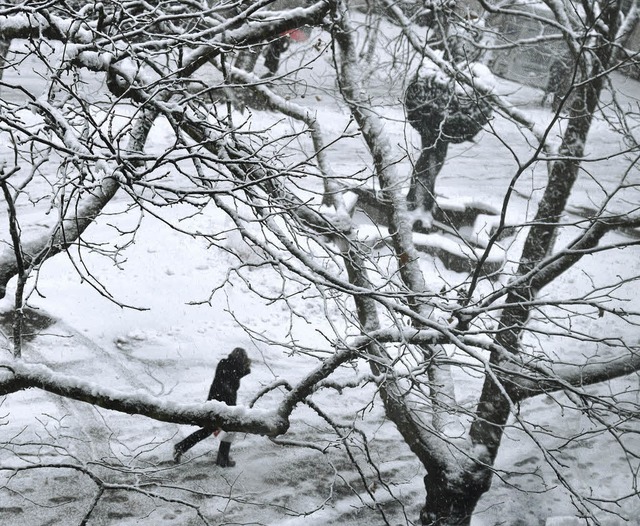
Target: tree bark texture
[
  {"x": 452, "y": 502},
  {"x": 497, "y": 397}
]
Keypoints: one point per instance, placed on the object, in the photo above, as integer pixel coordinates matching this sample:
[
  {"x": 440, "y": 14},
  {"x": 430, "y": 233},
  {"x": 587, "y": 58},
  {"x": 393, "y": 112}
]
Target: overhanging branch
[
  {"x": 559, "y": 377},
  {"x": 17, "y": 375}
]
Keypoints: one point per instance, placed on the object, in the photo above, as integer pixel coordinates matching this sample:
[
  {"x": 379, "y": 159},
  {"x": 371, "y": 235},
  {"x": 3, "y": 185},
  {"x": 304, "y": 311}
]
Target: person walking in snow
[{"x": 224, "y": 388}]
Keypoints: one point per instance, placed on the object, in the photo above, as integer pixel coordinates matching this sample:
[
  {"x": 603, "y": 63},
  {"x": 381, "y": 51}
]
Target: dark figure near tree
[
  {"x": 272, "y": 55},
  {"x": 443, "y": 114},
  {"x": 224, "y": 389}
]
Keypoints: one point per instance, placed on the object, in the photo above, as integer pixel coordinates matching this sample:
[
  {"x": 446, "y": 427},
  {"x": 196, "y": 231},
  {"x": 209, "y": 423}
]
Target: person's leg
[
  {"x": 224, "y": 460},
  {"x": 184, "y": 445}
]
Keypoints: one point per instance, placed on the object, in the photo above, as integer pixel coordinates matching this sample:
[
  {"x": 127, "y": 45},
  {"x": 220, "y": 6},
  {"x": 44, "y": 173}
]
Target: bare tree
[{"x": 117, "y": 74}]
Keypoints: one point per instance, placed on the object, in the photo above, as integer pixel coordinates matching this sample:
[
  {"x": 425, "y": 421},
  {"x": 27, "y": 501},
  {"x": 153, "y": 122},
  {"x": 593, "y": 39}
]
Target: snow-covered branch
[
  {"x": 65, "y": 233},
  {"x": 69, "y": 228},
  {"x": 40, "y": 24},
  {"x": 35, "y": 24},
  {"x": 384, "y": 158},
  {"x": 565, "y": 376},
  {"x": 304, "y": 388},
  {"x": 559, "y": 262},
  {"x": 17, "y": 375},
  {"x": 90, "y": 50},
  {"x": 272, "y": 101},
  {"x": 21, "y": 268}
]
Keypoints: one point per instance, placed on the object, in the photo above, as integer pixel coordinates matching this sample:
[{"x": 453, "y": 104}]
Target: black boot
[
  {"x": 223, "y": 459},
  {"x": 185, "y": 445},
  {"x": 177, "y": 454}
]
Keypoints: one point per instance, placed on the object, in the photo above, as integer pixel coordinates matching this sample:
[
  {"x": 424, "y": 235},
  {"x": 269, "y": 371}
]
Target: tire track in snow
[{"x": 78, "y": 355}]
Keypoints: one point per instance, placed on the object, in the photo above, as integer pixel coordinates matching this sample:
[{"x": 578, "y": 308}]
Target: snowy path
[{"x": 171, "y": 350}]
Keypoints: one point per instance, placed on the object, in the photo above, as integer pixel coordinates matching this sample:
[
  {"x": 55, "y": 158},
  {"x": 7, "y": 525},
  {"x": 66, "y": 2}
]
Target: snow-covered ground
[{"x": 170, "y": 342}]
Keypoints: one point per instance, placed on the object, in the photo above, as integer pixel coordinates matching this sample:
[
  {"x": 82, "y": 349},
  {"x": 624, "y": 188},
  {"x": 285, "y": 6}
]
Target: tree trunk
[
  {"x": 425, "y": 172},
  {"x": 4, "y": 52},
  {"x": 494, "y": 407},
  {"x": 451, "y": 502}
]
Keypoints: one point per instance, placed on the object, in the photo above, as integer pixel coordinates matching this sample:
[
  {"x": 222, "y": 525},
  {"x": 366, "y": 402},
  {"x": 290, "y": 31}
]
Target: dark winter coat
[{"x": 226, "y": 381}]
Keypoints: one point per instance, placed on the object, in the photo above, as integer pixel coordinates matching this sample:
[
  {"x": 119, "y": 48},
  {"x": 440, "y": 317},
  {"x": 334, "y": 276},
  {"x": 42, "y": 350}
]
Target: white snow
[{"x": 169, "y": 352}]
